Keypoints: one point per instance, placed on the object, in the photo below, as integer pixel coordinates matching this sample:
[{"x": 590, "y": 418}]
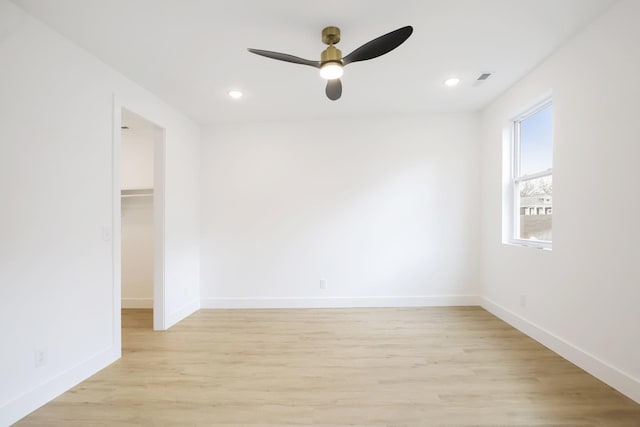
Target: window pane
[
  {"x": 535, "y": 207},
  {"x": 536, "y": 142}
]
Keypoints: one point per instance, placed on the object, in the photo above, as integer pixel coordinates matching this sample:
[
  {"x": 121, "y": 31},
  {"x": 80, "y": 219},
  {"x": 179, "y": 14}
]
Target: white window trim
[{"x": 515, "y": 178}]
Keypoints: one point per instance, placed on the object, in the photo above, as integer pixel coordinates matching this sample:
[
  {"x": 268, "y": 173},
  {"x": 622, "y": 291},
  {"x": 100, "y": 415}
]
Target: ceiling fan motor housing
[
  {"x": 331, "y": 36},
  {"x": 331, "y": 54}
]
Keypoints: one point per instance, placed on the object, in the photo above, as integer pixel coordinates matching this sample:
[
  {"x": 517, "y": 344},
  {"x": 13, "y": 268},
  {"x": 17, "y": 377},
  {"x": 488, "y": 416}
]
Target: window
[{"x": 530, "y": 186}]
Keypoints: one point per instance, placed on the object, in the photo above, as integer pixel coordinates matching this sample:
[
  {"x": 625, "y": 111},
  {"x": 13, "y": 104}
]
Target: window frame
[{"x": 515, "y": 178}]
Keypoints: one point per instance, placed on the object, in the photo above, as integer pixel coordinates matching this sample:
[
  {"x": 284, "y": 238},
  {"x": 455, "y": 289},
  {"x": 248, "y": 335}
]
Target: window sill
[{"x": 545, "y": 246}]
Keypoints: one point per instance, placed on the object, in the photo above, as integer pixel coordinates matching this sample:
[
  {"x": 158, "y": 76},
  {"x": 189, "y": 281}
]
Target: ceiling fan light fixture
[{"x": 331, "y": 70}]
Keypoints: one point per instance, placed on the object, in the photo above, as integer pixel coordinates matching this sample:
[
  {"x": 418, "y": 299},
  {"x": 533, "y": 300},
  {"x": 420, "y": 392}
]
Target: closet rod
[{"x": 141, "y": 192}]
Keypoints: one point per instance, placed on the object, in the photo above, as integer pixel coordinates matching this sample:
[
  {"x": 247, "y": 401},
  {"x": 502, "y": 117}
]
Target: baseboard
[
  {"x": 182, "y": 312},
  {"x": 621, "y": 381},
  {"x": 137, "y": 302},
  {"x": 23, "y": 405},
  {"x": 341, "y": 302}
]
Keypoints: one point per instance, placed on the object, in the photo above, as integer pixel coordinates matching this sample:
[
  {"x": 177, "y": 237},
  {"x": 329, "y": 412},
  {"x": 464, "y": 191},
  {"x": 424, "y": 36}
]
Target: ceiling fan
[{"x": 331, "y": 60}]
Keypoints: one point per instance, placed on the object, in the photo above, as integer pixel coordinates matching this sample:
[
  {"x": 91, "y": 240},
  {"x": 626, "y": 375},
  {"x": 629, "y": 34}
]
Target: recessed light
[
  {"x": 453, "y": 81},
  {"x": 235, "y": 94}
]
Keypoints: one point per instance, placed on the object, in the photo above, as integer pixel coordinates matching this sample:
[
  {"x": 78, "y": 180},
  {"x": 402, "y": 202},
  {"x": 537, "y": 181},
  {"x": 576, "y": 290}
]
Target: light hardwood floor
[{"x": 401, "y": 367}]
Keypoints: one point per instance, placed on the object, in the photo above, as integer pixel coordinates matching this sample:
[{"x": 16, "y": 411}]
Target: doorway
[{"x": 141, "y": 254}]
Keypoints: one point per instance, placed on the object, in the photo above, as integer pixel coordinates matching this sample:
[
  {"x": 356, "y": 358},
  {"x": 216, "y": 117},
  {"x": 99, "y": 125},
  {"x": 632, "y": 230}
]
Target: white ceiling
[{"x": 191, "y": 52}]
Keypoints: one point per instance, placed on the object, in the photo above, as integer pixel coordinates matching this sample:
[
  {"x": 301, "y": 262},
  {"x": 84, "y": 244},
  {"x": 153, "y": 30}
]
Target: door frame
[{"x": 159, "y": 171}]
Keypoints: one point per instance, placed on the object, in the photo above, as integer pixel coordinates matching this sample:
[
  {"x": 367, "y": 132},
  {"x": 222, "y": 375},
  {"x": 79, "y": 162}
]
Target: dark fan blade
[
  {"x": 334, "y": 89},
  {"x": 380, "y": 46},
  {"x": 285, "y": 57}
]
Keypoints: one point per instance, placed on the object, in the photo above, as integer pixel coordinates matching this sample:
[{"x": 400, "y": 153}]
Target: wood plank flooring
[{"x": 400, "y": 367}]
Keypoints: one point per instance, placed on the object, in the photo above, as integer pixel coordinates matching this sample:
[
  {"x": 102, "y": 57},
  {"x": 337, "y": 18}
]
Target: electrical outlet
[
  {"x": 323, "y": 283},
  {"x": 40, "y": 357},
  {"x": 523, "y": 300}
]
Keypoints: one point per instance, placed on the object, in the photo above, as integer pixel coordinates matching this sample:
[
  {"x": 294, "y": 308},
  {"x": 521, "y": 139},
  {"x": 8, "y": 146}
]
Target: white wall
[
  {"x": 57, "y": 184},
  {"x": 584, "y": 295},
  {"x": 384, "y": 209},
  {"x": 137, "y": 154}
]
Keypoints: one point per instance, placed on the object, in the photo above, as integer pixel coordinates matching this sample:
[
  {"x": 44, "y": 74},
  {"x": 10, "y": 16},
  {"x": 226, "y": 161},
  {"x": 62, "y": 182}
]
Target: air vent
[{"x": 484, "y": 76}]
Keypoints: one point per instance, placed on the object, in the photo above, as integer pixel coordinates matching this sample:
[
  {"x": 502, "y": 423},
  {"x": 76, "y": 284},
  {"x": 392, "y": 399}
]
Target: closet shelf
[{"x": 137, "y": 192}]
